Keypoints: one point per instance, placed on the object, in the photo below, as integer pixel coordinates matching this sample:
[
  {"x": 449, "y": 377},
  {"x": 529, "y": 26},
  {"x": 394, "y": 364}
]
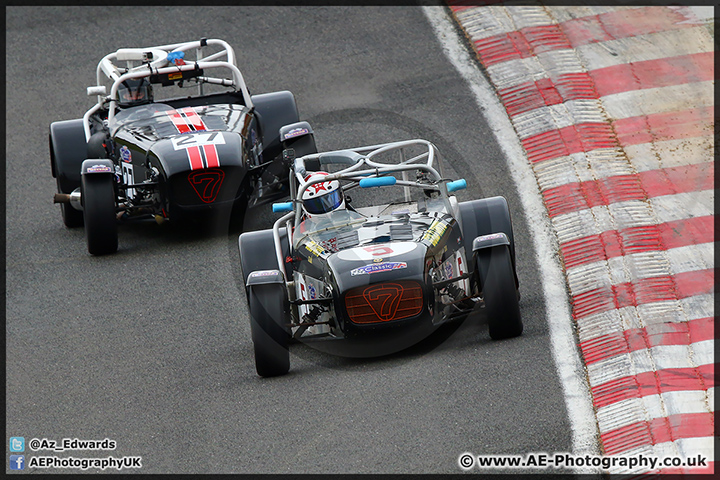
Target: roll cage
[
  {"x": 362, "y": 169},
  {"x": 164, "y": 64}
]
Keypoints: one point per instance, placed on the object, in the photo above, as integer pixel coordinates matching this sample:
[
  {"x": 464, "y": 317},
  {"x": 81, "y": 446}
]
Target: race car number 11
[{"x": 197, "y": 139}]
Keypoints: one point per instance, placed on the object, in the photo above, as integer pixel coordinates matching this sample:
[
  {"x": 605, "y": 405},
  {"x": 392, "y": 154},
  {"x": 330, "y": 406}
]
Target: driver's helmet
[
  {"x": 323, "y": 197},
  {"x": 134, "y": 91}
]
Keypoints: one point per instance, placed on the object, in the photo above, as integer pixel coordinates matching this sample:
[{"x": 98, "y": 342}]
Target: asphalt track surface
[{"x": 151, "y": 346}]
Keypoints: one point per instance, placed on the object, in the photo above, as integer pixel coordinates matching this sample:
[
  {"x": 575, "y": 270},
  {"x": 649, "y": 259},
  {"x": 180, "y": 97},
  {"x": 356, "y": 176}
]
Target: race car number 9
[{"x": 196, "y": 139}]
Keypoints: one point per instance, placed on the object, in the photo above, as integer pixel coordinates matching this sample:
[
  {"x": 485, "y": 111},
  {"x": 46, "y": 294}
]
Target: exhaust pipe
[{"x": 72, "y": 198}]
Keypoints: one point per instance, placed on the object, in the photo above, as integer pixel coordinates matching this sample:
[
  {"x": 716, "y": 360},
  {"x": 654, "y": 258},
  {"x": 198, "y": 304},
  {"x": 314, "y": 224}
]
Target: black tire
[
  {"x": 257, "y": 252},
  {"x": 486, "y": 216},
  {"x": 71, "y": 218},
  {"x": 274, "y": 110},
  {"x": 67, "y": 152},
  {"x": 98, "y": 199},
  {"x": 497, "y": 282},
  {"x": 269, "y": 334}
]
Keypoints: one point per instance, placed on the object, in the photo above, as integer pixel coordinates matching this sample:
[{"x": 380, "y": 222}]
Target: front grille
[{"x": 384, "y": 302}]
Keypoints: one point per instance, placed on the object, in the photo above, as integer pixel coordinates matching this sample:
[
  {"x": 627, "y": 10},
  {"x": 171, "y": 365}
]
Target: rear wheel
[
  {"x": 497, "y": 281},
  {"x": 98, "y": 199},
  {"x": 269, "y": 334}
]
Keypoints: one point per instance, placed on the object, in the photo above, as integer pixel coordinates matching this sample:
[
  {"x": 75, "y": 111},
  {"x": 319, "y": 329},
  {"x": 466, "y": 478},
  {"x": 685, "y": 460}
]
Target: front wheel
[
  {"x": 270, "y": 336},
  {"x": 71, "y": 218},
  {"x": 497, "y": 282},
  {"x": 98, "y": 199}
]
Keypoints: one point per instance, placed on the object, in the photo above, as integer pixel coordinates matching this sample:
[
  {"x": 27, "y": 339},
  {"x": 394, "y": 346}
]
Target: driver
[
  {"x": 321, "y": 198},
  {"x": 319, "y": 201},
  {"x": 134, "y": 91}
]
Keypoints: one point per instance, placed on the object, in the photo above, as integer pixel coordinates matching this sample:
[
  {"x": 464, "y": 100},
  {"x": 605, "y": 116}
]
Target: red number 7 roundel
[{"x": 206, "y": 183}]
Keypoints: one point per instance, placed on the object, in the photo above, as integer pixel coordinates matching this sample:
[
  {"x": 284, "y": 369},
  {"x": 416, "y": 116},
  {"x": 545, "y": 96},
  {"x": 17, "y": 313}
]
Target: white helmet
[{"x": 322, "y": 197}]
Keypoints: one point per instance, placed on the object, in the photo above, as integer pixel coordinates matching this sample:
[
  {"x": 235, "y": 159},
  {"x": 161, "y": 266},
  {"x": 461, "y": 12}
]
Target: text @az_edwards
[{"x": 70, "y": 444}]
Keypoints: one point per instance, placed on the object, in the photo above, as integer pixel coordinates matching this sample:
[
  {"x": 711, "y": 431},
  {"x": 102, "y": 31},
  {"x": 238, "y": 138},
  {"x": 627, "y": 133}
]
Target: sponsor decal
[
  {"x": 373, "y": 251},
  {"x": 315, "y": 248},
  {"x": 263, "y": 273},
  {"x": 448, "y": 270},
  {"x": 296, "y": 132},
  {"x": 175, "y": 76},
  {"x": 492, "y": 236},
  {"x": 378, "y": 267},
  {"x": 312, "y": 292},
  {"x": 435, "y": 232},
  {"x": 206, "y": 183},
  {"x": 125, "y": 154},
  {"x": 99, "y": 169}
]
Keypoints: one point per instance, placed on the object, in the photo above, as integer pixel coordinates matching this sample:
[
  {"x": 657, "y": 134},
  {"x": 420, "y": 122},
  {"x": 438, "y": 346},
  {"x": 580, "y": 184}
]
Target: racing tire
[
  {"x": 497, "y": 281},
  {"x": 71, "y": 218},
  {"x": 269, "y": 335},
  {"x": 67, "y": 151},
  {"x": 486, "y": 216},
  {"x": 98, "y": 199}
]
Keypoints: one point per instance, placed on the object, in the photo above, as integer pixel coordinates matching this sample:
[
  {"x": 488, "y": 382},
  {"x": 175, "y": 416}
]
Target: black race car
[
  {"x": 180, "y": 158},
  {"x": 381, "y": 270}
]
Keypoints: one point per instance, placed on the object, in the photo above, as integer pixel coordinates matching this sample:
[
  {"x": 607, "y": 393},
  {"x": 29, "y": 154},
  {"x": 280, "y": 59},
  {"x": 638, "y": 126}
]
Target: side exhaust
[{"x": 72, "y": 198}]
